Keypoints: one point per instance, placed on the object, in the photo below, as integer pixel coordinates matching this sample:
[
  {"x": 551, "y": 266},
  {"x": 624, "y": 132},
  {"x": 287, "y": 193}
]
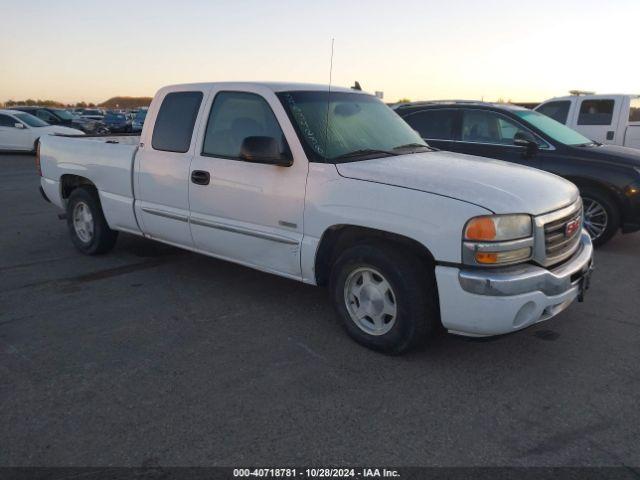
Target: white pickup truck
[
  {"x": 608, "y": 119},
  {"x": 332, "y": 188}
]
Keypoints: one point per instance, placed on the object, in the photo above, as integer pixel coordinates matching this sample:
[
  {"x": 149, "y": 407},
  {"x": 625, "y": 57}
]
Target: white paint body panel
[
  {"x": 625, "y": 133},
  {"x": 274, "y": 218}
]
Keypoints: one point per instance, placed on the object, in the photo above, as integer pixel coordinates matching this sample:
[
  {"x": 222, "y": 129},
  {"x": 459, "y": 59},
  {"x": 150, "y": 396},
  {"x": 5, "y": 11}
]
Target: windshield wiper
[
  {"x": 411, "y": 145},
  {"x": 363, "y": 152}
]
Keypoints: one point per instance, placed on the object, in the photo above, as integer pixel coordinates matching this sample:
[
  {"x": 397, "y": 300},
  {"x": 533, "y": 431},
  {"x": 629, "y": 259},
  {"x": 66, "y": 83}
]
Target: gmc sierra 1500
[{"x": 332, "y": 187}]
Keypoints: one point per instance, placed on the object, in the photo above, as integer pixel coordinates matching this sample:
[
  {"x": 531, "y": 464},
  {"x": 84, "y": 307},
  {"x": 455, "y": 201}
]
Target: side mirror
[
  {"x": 264, "y": 150},
  {"x": 18, "y": 125},
  {"x": 526, "y": 140}
]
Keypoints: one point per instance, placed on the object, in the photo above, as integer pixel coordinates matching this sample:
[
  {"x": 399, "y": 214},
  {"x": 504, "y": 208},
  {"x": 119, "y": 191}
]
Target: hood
[
  {"x": 62, "y": 130},
  {"x": 612, "y": 154},
  {"x": 495, "y": 185}
]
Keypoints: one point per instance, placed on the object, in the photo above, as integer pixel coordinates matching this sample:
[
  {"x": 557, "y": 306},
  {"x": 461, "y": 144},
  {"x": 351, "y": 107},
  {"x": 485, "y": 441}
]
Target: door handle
[{"x": 200, "y": 177}]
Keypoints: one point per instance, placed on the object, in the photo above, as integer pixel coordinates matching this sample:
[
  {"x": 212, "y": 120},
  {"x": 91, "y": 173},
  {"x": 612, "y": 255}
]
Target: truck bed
[{"x": 105, "y": 161}]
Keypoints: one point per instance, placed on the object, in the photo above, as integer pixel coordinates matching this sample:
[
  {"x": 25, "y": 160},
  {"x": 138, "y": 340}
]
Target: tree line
[{"x": 114, "y": 102}]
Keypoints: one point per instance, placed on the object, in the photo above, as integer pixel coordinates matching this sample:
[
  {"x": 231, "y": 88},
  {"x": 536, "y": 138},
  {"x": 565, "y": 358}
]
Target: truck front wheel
[
  {"x": 89, "y": 230},
  {"x": 387, "y": 299}
]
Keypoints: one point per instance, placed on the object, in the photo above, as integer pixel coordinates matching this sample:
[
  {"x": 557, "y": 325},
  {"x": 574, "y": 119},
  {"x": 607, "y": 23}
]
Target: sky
[{"x": 518, "y": 50}]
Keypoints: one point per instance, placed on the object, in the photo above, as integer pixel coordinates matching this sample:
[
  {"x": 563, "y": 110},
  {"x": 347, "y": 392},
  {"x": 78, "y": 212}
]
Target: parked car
[
  {"x": 608, "y": 176},
  {"x": 609, "y": 119},
  {"x": 118, "y": 122},
  {"x": 138, "y": 120},
  {"x": 20, "y": 131},
  {"x": 93, "y": 114},
  {"x": 407, "y": 238},
  {"x": 61, "y": 117}
]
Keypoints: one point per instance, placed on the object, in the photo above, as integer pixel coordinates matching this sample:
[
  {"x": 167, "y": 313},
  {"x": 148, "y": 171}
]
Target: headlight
[{"x": 498, "y": 240}]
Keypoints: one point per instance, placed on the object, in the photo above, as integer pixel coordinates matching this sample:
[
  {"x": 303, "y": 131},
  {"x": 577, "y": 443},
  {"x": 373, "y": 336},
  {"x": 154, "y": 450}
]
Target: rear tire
[
  {"x": 88, "y": 228},
  {"x": 387, "y": 299},
  {"x": 601, "y": 215}
]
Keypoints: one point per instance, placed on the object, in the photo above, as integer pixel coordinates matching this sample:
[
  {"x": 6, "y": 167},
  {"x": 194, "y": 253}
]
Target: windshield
[
  {"x": 31, "y": 120},
  {"x": 557, "y": 131},
  {"x": 63, "y": 114},
  {"x": 360, "y": 126}
]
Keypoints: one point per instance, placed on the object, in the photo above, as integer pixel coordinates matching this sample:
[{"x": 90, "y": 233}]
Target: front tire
[
  {"x": 601, "y": 215},
  {"x": 387, "y": 300},
  {"x": 88, "y": 228}
]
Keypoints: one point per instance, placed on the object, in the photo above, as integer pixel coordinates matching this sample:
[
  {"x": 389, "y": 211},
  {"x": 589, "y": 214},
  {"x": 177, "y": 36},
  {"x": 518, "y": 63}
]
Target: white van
[{"x": 610, "y": 119}]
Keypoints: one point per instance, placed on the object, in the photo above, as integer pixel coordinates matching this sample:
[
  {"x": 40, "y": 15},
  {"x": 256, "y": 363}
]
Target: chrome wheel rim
[
  {"x": 370, "y": 301},
  {"x": 595, "y": 217},
  {"x": 83, "y": 222}
]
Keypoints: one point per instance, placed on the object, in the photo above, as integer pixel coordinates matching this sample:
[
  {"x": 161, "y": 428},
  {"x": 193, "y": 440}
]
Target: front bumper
[{"x": 484, "y": 302}]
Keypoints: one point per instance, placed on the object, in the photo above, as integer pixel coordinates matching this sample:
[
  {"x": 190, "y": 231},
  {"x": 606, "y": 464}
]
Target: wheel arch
[
  {"x": 606, "y": 188},
  {"x": 336, "y": 238},
  {"x": 69, "y": 182}
]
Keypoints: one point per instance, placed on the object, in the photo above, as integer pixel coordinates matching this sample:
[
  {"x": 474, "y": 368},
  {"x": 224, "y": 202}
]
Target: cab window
[
  {"x": 634, "y": 112},
  {"x": 235, "y": 116},
  {"x": 596, "y": 112},
  {"x": 173, "y": 129},
  {"x": 559, "y": 110}
]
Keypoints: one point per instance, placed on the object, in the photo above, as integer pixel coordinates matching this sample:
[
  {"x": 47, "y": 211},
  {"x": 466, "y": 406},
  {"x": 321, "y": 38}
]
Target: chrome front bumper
[
  {"x": 528, "y": 278},
  {"x": 489, "y": 302}
]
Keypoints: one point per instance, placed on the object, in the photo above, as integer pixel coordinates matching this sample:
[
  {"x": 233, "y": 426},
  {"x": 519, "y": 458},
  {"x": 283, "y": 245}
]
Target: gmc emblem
[{"x": 571, "y": 227}]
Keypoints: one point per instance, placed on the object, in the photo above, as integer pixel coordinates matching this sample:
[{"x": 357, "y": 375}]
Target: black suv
[{"x": 608, "y": 176}]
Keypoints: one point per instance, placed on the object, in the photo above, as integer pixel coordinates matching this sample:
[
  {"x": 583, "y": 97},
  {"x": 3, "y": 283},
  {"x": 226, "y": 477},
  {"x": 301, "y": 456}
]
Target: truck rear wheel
[
  {"x": 386, "y": 299},
  {"x": 89, "y": 230}
]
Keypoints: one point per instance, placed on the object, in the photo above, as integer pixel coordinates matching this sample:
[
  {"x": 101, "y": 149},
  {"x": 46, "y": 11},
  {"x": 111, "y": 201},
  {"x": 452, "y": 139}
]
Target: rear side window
[
  {"x": 235, "y": 116},
  {"x": 596, "y": 112},
  {"x": 174, "y": 124},
  {"x": 634, "y": 113},
  {"x": 433, "y": 124},
  {"x": 7, "y": 121},
  {"x": 559, "y": 111}
]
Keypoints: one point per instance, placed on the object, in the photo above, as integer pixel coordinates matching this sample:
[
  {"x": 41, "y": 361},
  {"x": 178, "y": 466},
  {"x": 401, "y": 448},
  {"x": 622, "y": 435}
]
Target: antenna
[{"x": 326, "y": 129}]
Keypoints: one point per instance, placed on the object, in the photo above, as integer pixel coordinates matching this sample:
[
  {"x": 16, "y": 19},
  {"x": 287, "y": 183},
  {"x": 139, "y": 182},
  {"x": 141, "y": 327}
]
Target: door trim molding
[
  {"x": 165, "y": 214},
  {"x": 243, "y": 231}
]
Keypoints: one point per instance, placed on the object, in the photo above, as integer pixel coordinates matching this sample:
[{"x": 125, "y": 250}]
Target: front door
[
  {"x": 248, "y": 212},
  {"x": 162, "y": 168},
  {"x": 490, "y": 134},
  {"x": 12, "y": 138}
]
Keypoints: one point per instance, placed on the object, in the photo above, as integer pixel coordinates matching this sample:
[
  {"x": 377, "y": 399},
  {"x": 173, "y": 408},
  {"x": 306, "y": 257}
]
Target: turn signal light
[
  {"x": 481, "y": 228},
  {"x": 508, "y": 256}
]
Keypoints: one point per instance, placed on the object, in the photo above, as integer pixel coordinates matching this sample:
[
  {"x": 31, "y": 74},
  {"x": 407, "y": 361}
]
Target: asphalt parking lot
[{"x": 154, "y": 356}]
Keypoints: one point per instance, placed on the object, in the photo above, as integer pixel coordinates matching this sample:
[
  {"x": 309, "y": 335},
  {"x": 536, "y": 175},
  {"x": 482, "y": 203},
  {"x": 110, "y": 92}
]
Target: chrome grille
[{"x": 558, "y": 245}]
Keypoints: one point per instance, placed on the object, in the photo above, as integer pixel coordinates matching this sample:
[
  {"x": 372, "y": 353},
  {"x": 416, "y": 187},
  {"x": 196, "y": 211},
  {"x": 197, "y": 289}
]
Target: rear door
[
  {"x": 162, "y": 166},
  {"x": 439, "y": 127},
  {"x": 248, "y": 212},
  {"x": 598, "y": 119}
]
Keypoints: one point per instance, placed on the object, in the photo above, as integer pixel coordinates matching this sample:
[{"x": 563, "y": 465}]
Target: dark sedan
[{"x": 608, "y": 176}]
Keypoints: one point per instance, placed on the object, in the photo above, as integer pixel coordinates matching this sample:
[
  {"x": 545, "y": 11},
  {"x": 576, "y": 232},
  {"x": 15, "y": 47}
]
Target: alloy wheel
[{"x": 370, "y": 301}]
